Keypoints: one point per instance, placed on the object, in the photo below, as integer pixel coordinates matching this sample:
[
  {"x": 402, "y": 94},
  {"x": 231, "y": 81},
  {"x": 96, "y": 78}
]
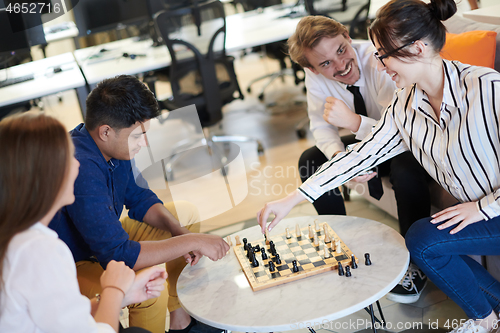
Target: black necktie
[{"x": 375, "y": 184}]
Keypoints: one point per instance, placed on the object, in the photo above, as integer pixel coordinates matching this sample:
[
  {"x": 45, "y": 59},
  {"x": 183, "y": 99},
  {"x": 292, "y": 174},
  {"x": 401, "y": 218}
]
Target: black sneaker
[{"x": 410, "y": 287}]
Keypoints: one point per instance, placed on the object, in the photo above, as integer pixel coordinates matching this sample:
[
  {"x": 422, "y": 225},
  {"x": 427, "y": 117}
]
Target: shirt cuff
[
  {"x": 488, "y": 207},
  {"x": 365, "y": 127}
]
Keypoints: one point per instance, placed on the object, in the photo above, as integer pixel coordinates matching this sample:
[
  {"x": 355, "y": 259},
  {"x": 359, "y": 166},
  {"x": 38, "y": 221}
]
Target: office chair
[
  {"x": 358, "y": 28},
  {"x": 276, "y": 50},
  {"x": 203, "y": 74}
]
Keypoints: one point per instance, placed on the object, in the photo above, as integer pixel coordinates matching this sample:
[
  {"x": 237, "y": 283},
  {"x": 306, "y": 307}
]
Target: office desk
[
  {"x": 489, "y": 14},
  {"x": 218, "y": 293},
  {"x": 244, "y": 30},
  {"x": 60, "y": 31},
  {"x": 46, "y": 82}
]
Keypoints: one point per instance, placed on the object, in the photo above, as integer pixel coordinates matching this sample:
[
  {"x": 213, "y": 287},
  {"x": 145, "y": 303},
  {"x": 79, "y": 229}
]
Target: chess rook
[
  {"x": 297, "y": 231},
  {"x": 316, "y": 226}
]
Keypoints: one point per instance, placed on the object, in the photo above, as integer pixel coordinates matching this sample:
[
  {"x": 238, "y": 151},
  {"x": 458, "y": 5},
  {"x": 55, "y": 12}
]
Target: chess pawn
[
  {"x": 311, "y": 232},
  {"x": 295, "y": 268},
  {"x": 368, "y": 262},
  {"x": 272, "y": 267},
  {"x": 288, "y": 235},
  {"x": 315, "y": 240},
  {"x": 326, "y": 252},
  {"x": 245, "y": 243},
  {"x": 228, "y": 240},
  {"x": 316, "y": 226},
  {"x": 297, "y": 231},
  {"x": 347, "y": 271},
  {"x": 353, "y": 262},
  {"x": 327, "y": 237},
  {"x": 264, "y": 254},
  {"x": 340, "y": 269},
  {"x": 278, "y": 260},
  {"x": 237, "y": 238}
]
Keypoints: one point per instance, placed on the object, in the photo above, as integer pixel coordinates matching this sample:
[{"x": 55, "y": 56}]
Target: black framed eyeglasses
[{"x": 388, "y": 54}]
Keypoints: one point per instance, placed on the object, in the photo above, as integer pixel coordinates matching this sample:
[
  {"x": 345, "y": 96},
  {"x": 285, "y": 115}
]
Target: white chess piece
[
  {"x": 297, "y": 230},
  {"x": 311, "y": 232},
  {"x": 288, "y": 235},
  {"x": 315, "y": 240},
  {"x": 238, "y": 242},
  {"x": 228, "y": 240},
  {"x": 326, "y": 252}
]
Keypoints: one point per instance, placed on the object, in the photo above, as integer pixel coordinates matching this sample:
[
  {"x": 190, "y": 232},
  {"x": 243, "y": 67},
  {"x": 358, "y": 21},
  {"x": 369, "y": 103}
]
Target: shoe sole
[{"x": 405, "y": 299}]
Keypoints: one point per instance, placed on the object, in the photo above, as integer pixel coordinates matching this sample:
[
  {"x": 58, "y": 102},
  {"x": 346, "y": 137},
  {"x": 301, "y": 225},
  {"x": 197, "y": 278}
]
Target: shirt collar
[
  {"x": 44, "y": 229},
  {"x": 361, "y": 80},
  {"x": 113, "y": 163}
]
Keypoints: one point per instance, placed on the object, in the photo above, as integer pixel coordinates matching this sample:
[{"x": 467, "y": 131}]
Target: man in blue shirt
[{"x": 118, "y": 111}]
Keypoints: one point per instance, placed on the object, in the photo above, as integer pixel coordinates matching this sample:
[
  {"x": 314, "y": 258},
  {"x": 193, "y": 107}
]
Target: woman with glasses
[
  {"x": 38, "y": 287},
  {"x": 448, "y": 115}
]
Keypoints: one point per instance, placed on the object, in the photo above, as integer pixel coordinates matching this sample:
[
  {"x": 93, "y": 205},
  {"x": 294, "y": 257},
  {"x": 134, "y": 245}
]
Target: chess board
[{"x": 310, "y": 259}]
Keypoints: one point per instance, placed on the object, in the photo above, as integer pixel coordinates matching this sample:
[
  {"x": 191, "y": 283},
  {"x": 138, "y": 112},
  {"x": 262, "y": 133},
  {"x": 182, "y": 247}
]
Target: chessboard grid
[{"x": 310, "y": 259}]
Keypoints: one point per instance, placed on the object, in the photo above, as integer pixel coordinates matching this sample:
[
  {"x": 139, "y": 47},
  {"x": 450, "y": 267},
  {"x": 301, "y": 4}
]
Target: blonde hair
[{"x": 309, "y": 32}]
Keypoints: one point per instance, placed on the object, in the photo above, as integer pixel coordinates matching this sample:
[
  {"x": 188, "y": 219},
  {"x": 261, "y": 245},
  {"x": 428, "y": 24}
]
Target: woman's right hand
[
  {"x": 279, "y": 208},
  {"x": 117, "y": 274}
]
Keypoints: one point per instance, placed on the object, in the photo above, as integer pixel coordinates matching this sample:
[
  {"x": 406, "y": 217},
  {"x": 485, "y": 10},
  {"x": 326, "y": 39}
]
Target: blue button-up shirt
[{"x": 91, "y": 225}]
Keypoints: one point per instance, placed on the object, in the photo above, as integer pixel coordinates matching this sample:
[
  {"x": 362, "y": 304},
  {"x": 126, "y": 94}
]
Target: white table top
[
  {"x": 46, "y": 82},
  {"x": 243, "y": 30},
  {"x": 489, "y": 14},
  {"x": 60, "y": 31},
  {"x": 218, "y": 294}
]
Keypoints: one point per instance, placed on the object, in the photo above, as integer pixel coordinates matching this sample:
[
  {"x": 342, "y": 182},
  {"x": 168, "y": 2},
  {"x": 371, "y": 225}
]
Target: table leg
[
  {"x": 381, "y": 314},
  {"x": 372, "y": 315}
]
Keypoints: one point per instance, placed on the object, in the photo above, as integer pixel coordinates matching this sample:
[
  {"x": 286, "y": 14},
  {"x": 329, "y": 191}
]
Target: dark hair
[
  {"x": 34, "y": 160},
  {"x": 120, "y": 102},
  {"x": 404, "y": 21},
  {"x": 309, "y": 32}
]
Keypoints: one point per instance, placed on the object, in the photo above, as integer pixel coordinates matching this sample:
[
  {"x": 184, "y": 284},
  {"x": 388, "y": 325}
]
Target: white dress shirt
[
  {"x": 377, "y": 90},
  {"x": 460, "y": 150},
  {"x": 40, "y": 291}
]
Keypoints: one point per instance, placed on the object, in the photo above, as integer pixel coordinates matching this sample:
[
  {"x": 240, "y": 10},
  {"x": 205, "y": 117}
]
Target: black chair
[
  {"x": 358, "y": 28},
  {"x": 201, "y": 73},
  {"x": 277, "y": 50}
]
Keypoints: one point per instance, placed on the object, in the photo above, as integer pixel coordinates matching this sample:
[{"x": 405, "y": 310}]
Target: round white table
[{"x": 218, "y": 293}]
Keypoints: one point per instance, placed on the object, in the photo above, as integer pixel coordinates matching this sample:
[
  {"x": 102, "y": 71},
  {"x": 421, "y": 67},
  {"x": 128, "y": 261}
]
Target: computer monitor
[
  {"x": 13, "y": 36},
  {"x": 92, "y": 16}
]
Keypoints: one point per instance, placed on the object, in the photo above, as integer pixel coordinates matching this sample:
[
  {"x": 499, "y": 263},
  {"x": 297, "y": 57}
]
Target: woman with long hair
[{"x": 38, "y": 287}]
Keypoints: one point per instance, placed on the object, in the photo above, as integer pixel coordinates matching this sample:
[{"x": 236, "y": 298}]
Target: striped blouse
[{"x": 461, "y": 150}]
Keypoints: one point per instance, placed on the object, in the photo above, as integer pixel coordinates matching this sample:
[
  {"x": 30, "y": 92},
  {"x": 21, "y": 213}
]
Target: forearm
[
  {"x": 159, "y": 217},
  {"x": 158, "y": 252},
  {"x": 108, "y": 310}
]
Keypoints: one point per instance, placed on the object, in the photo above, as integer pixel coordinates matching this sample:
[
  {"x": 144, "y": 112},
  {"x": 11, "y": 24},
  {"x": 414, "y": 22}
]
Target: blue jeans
[{"x": 443, "y": 258}]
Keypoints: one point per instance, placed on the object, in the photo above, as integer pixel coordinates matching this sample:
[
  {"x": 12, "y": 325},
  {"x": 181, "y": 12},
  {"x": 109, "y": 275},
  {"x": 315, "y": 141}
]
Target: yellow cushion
[{"x": 472, "y": 47}]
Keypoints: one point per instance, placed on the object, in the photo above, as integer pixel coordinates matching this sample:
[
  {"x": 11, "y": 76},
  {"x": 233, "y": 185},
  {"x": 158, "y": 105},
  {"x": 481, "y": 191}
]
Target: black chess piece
[
  {"x": 264, "y": 255},
  {"x": 278, "y": 260},
  {"x": 272, "y": 268},
  {"x": 257, "y": 248},
  {"x": 255, "y": 263},
  {"x": 353, "y": 262},
  {"x": 245, "y": 243},
  {"x": 251, "y": 254},
  {"x": 295, "y": 268},
  {"x": 347, "y": 271},
  {"x": 368, "y": 262},
  {"x": 341, "y": 269},
  {"x": 273, "y": 251}
]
